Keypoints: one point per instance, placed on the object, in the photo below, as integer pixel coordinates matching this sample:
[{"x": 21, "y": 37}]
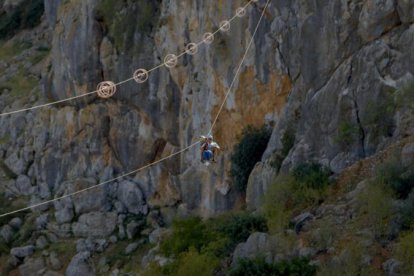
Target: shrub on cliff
[
  {"x": 289, "y": 194},
  {"x": 259, "y": 266},
  {"x": 218, "y": 236},
  {"x": 247, "y": 153},
  {"x": 26, "y": 15}
]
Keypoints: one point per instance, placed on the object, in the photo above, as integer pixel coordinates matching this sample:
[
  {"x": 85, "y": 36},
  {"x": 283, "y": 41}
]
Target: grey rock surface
[
  {"x": 24, "y": 185},
  {"x": 6, "y": 233},
  {"x": 16, "y": 223},
  {"x": 133, "y": 228},
  {"x": 257, "y": 243},
  {"x": 80, "y": 265},
  {"x": 391, "y": 267},
  {"x": 31, "y": 266},
  {"x": 95, "y": 224},
  {"x": 23, "y": 251},
  {"x": 54, "y": 261},
  {"x": 41, "y": 242},
  {"x": 405, "y": 9},
  {"x": 130, "y": 195},
  {"x": 131, "y": 248}
]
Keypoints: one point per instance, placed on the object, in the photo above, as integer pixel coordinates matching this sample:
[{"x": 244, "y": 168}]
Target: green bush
[
  {"x": 218, "y": 236},
  {"x": 186, "y": 233},
  {"x": 259, "y": 267},
  {"x": 247, "y": 153},
  {"x": 193, "y": 263},
  {"x": 201, "y": 244},
  {"x": 348, "y": 263},
  {"x": 347, "y": 134},
  {"x": 277, "y": 208},
  {"x": 407, "y": 212},
  {"x": 26, "y": 15},
  {"x": 304, "y": 187},
  {"x": 395, "y": 176},
  {"x": 312, "y": 175},
  {"x": 404, "y": 252},
  {"x": 231, "y": 229},
  {"x": 375, "y": 208}
]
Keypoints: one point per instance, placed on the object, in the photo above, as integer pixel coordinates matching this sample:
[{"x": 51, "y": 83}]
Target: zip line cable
[
  {"x": 100, "y": 184},
  {"x": 162, "y": 159},
  {"x": 239, "y": 68},
  {"x": 238, "y": 14}
]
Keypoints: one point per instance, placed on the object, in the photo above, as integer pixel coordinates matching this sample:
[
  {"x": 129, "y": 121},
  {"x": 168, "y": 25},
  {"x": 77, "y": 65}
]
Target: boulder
[
  {"x": 24, "y": 185},
  {"x": 83, "y": 245},
  {"x": 80, "y": 265},
  {"x": 95, "y": 224},
  {"x": 41, "y": 242},
  {"x": 31, "y": 266},
  {"x": 101, "y": 245},
  {"x": 41, "y": 221},
  {"x": 130, "y": 195},
  {"x": 64, "y": 213},
  {"x": 89, "y": 201},
  {"x": 16, "y": 223},
  {"x": 300, "y": 220},
  {"x": 22, "y": 252},
  {"x": 257, "y": 244},
  {"x": 391, "y": 267},
  {"x": 54, "y": 261},
  {"x": 131, "y": 247},
  {"x": 6, "y": 233},
  {"x": 157, "y": 235}
]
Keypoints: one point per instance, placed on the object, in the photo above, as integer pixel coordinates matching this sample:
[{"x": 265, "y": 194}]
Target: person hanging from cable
[{"x": 209, "y": 149}]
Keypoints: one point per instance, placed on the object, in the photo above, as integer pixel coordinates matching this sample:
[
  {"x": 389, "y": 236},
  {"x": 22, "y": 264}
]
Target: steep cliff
[{"x": 333, "y": 77}]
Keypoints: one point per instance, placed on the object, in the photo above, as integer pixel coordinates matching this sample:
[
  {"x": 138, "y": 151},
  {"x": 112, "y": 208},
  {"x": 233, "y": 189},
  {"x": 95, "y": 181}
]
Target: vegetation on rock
[{"x": 247, "y": 153}]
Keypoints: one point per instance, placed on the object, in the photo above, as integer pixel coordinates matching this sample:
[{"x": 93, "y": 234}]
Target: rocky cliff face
[{"x": 333, "y": 73}]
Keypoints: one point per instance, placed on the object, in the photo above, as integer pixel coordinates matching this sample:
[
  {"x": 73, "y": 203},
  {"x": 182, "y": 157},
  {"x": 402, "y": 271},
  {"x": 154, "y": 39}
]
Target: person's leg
[
  {"x": 214, "y": 155},
  {"x": 205, "y": 156}
]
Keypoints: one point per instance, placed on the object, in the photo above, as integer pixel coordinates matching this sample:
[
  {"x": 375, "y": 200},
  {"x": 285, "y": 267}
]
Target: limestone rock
[
  {"x": 257, "y": 185},
  {"x": 24, "y": 185},
  {"x": 80, "y": 265},
  {"x": 54, "y": 261},
  {"x": 377, "y": 17},
  {"x": 130, "y": 195},
  {"x": 157, "y": 235},
  {"x": 406, "y": 10},
  {"x": 391, "y": 267},
  {"x": 133, "y": 228},
  {"x": 300, "y": 220},
  {"x": 95, "y": 224},
  {"x": 131, "y": 248},
  {"x": 22, "y": 252},
  {"x": 41, "y": 242},
  {"x": 31, "y": 266},
  {"x": 16, "y": 223},
  {"x": 42, "y": 221},
  {"x": 93, "y": 200},
  {"x": 6, "y": 233},
  {"x": 257, "y": 243}
]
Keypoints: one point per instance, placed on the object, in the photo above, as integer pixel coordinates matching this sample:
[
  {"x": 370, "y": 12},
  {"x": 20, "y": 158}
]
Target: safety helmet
[{"x": 210, "y": 137}]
